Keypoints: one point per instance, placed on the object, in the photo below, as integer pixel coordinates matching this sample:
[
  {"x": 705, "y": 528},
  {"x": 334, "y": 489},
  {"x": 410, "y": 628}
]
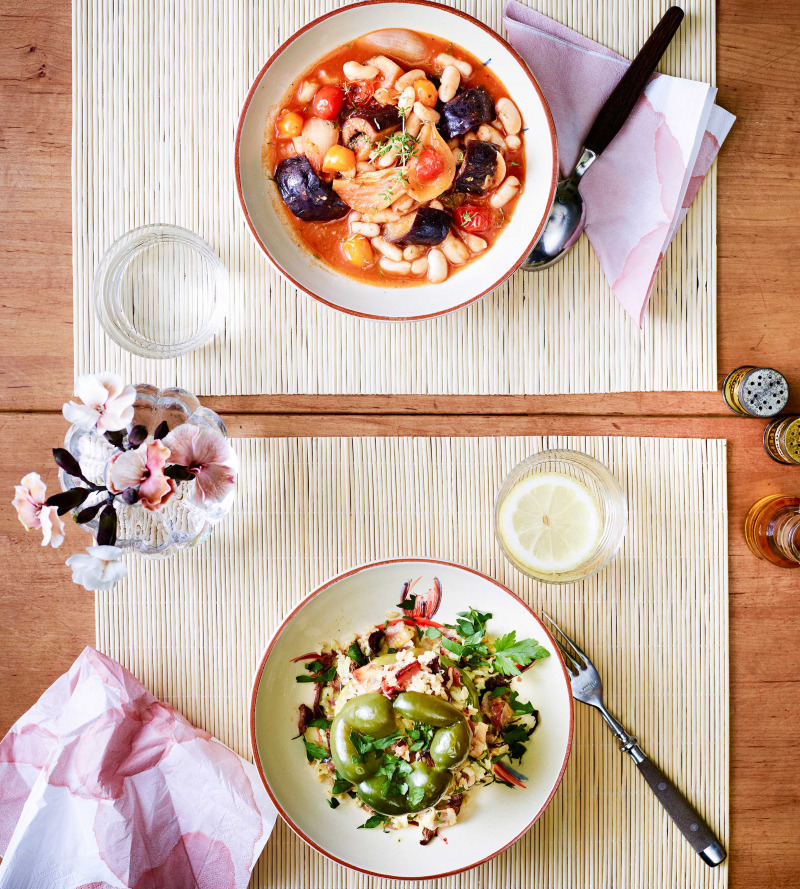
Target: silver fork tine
[
  {"x": 569, "y": 660},
  {"x": 580, "y": 655}
]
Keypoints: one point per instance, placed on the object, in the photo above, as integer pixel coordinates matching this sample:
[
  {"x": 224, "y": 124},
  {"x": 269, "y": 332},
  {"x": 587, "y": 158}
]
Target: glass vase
[{"x": 182, "y": 522}]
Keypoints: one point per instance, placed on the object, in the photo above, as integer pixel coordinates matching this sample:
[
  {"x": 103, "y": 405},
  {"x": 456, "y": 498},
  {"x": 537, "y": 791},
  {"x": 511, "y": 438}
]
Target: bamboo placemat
[
  {"x": 157, "y": 89},
  {"x": 655, "y": 622}
]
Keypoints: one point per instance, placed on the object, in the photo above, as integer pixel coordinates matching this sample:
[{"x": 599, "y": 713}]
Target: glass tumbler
[
  {"x": 605, "y": 502},
  {"x": 160, "y": 291}
]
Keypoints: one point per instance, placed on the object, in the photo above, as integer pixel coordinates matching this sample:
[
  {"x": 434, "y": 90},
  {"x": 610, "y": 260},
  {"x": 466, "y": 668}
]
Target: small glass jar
[
  {"x": 772, "y": 530},
  {"x": 608, "y": 497},
  {"x": 755, "y": 391},
  {"x": 160, "y": 291},
  {"x": 782, "y": 439},
  {"x": 182, "y": 522}
]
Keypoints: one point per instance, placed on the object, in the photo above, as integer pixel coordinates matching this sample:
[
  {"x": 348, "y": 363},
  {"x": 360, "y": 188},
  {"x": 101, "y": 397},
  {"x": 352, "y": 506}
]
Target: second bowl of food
[
  {"x": 396, "y": 173},
  {"x": 411, "y": 718}
]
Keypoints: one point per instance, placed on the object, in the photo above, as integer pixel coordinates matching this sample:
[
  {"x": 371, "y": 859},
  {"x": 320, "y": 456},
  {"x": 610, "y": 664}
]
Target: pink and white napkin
[
  {"x": 102, "y": 786},
  {"x": 638, "y": 191}
]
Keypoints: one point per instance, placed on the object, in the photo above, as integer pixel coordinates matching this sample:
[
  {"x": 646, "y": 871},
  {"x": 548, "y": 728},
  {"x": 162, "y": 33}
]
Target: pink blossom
[
  {"x": 143, "y": 467},
  {"x": 208, "y": 456},
  {"x": 107, "y": 403},
  {"x": 28, "y": 501}
]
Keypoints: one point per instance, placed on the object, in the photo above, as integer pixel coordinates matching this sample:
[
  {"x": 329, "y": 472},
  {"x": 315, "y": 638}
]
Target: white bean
[
  {"x": 356, "y": 71},
  {"x": 408, "y": 78},
  {"x": 382, "y": 216},
  {"x": 509, "y": 115},
  {"x": 388, "y": 159},
  {"x": 425, "y": 114},
  {"x": 387, "y": 95},
  {"x": 469, "y": 137},
  {"x": 306, "y": 92},
  {"x": 390, "y": 70},
  {"x": 365, "y": 167},
  {"x": 436, "y": 205},
  {"x": 299, "y": 144},
  {"x": 419, "y": 266},
  {"x": 403, "y": 204},
  {"x": 413, "y": 251},
  {"x": 354, "y": 216},
  {"x": 413, "y": 125},
  {"x": 394, "y": 267},
  {"x": 448, "y": 85},
  {"x": 453, "y": 143},
  {"x": 490, "y": 134},
  {"x": 513, "y": 142},
  {"x": 507, "y": 192},
  {"x": 475, "y": 244},
  {"x": 390, "y": 251},
  {"x": 437, "y": 266},
  {"x": 406, "y": 101},
  {"x": 464, "y": 68},
  {"x": 454, "y": 250},
  {"x": 368, "y": 229}
]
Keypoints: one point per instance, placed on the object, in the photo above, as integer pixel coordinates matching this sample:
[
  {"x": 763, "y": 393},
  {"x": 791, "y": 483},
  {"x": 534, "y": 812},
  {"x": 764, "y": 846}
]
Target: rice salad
[{"x": 411, "y": 716}]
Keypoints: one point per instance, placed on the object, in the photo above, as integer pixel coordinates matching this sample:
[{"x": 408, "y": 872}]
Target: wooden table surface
[{"x": 46, "y": 620}]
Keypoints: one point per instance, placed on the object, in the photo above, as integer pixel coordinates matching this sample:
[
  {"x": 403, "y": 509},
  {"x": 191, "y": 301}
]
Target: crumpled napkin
[
  {"x": 638, "y": 191},
  {"x": 102, "y": 786}
]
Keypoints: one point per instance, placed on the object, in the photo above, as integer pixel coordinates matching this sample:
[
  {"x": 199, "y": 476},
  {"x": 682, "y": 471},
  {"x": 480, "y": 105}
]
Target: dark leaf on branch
[
  {"x": 179, "y": 473},
  {"x": 67, "y": 500},
  {"x": 107, "y": 529},
  {"x": 115, "y": 438},
  {"x": 161, "y": 430},
  {"x": 130, "y": 496},
  {"x": 65, "y": 460},
  {"x": 137, "y": 436},
  {"x": 86, "y": 515}
]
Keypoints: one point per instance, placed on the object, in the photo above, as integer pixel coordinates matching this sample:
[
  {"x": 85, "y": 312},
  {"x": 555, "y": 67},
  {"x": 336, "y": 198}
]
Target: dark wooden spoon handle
[{"x": 620, "y": 103}]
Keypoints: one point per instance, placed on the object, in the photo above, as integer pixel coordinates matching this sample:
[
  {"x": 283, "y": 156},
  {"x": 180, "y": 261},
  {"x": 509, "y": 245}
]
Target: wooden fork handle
[
  {"x": 700, "y": 836},
  {"x": 620, "y": 103}
]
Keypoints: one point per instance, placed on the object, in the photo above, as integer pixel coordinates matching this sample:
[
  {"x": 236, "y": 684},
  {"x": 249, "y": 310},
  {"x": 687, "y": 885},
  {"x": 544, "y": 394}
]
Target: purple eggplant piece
[
  {"x": 305, "y": 194},
  {"x": 466, "y": 111},
  {"x": 479, "y": 170},
  {"x": 366, "y": 126},
  {"x": 427, "y": 227}
]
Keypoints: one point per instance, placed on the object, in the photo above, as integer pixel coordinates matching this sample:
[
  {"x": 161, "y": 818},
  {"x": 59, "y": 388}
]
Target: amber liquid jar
[{"x": 772, "y": 530}]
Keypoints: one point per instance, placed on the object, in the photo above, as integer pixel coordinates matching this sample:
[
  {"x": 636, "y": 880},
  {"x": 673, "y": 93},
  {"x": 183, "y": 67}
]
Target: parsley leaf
[
  {"x": 314, "y": 751},
  {"x": 509, "y": 652},
  {"x": 421, "y": 736},
  {"x": 333, "y": 802},
  {"x": 356, "y": 655},
  {"x": 517, "y": 736},
  {"x": 319, "y": 723},
  {"x": 373, "y": 821},
  {"x": 407, "y": 604},
  {"x": 394, "y": 770},
  {"x": 366, "y": 744},
  {"x": 415, "y": 795},
  {"x": 340, "y": 785},
  {"x": 433, "y": 633}
]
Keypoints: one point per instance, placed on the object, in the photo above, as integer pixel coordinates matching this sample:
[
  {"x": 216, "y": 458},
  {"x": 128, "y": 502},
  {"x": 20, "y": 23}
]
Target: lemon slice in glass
[{"x": 550, "y": 523}]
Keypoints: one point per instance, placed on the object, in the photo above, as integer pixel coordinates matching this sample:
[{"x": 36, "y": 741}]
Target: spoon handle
[{"x": 620, "y": 103}]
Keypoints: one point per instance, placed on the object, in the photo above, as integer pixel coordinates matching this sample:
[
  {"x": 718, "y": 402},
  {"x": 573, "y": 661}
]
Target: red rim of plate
[
  {"x": 551, "y": 126},
  {"x": 293, "y": 614}
]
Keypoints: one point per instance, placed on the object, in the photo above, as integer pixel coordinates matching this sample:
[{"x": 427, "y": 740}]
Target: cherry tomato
[
  {"x": 473, "y": 218},
  {"x": 327, "y": 102},
  {"x": 289, "y": 125},
  {"x": 429, "y": 165},
  {"x": 360, "y": 93}
]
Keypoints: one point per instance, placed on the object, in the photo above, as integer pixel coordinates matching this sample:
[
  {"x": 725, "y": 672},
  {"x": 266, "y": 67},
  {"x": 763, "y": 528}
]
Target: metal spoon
[{"x": 568, "y": 213}]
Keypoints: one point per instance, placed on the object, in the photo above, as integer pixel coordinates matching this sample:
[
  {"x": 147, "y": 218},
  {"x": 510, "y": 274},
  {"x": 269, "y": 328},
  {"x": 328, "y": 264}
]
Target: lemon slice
[{"x": 550, "y": 523}]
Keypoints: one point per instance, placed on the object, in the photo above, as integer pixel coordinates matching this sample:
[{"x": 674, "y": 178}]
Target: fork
[{"x": 587, "y": 687}]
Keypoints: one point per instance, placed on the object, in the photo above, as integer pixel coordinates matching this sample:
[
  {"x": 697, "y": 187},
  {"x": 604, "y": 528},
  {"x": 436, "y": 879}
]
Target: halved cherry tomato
[
  {"x": 327, "y": 102},
  {"x": 425, "y": 92},
  {"x": 339, "y": 159},
  {"x": 358, "y": 251},
  {"x": 473, "y": 218},
  {"x": 429, "y": 165},
  {"x": 289, "y": 125},
  {"x": 360, "y": 92}
]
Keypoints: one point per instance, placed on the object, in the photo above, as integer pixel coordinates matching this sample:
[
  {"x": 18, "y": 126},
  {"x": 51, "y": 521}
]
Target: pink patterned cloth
[
  {"x": 102, "y": 786},
  {"x": 638, "y": 191}
]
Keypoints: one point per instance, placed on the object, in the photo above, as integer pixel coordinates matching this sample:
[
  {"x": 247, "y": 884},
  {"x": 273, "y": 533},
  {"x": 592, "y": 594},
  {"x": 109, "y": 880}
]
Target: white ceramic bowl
[
  {"x": 266, "y": 214},
  {"x": 495, "y": 816}
]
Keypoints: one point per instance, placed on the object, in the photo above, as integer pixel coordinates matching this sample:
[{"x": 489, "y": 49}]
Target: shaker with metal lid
[
  {"x": 782, "y": 439},
  {"x": 755, "y": 391}
]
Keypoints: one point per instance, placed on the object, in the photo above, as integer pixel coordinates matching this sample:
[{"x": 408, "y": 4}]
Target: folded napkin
[
  {"x": 638, "y": 191},
  {"x": 104, "y": 787}
]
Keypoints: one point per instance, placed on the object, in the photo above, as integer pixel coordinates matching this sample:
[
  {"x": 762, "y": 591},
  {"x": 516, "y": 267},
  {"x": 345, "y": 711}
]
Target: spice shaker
[{"x": 755, "y": 391}]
